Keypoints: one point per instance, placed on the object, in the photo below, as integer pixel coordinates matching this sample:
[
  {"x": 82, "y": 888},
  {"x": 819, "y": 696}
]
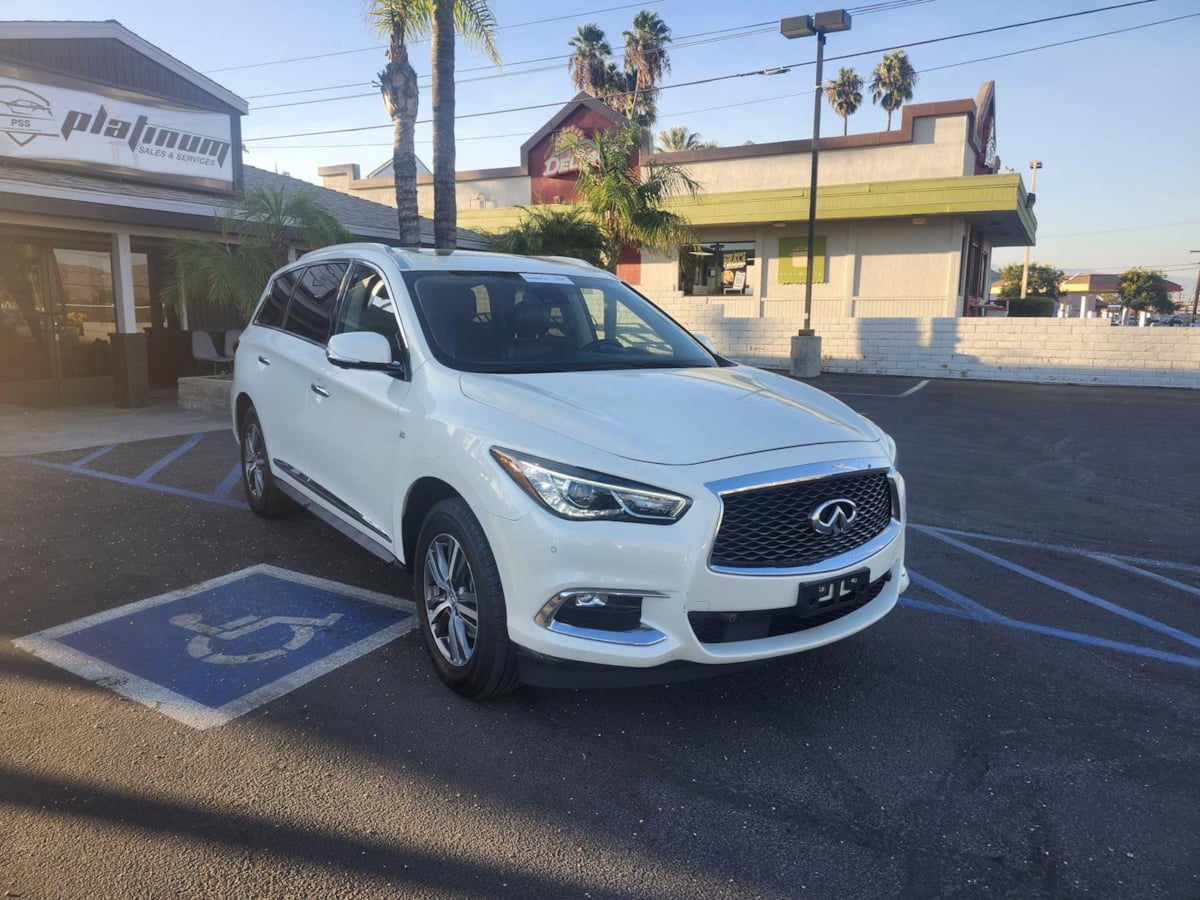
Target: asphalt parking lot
[{"x": 1025, "y": 724}]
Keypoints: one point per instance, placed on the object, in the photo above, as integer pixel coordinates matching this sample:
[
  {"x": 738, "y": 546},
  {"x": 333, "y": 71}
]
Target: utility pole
[
  {"x": 1196, "y": 296},
  {"x": 1035, "y": 165}
]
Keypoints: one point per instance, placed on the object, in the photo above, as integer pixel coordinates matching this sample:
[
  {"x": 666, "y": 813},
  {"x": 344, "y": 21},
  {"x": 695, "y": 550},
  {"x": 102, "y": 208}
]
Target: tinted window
[
  {"x": 271, "y": 313},
  {"x": 368, "y": 307},
  {"x": 312, "y": 301},
  {"x": 507, "y": 322}
]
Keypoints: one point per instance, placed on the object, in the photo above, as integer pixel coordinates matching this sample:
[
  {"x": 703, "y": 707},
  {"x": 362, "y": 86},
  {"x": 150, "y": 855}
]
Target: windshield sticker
[{"x": 539, "y": 278}]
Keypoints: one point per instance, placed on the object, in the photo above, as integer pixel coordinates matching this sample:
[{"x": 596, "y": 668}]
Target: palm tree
[
  {"x": 554, "y": 232},
  {"x": 845, "y": 95},
  {"x": 474, "y": 20},
  {"x": 588, "y": 62},
  {"x": 678, "y": 138},
  {"x": 892, "y": 82},
  {"x": 399, "y": 21},
  {"x": 646, "y": 61},
  {"x": 256, "y": 234},
  {"x": 627, "y": 199}
]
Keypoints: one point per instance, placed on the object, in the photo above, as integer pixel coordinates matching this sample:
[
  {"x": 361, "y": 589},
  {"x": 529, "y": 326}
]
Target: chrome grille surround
[{"x": 800, "y": 551}]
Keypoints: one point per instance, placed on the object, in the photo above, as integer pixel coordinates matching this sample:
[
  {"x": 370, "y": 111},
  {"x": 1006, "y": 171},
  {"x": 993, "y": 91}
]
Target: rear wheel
[
  {"x": 262, "y": 493},
  {"x": 460, "y": 601}
]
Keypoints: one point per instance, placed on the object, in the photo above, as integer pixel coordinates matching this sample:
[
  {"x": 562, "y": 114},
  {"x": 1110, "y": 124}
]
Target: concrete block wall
[{"x": 1067, "y": 351}]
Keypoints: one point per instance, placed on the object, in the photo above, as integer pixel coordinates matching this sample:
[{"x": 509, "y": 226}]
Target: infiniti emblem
[{"x": 834, "y": 516}]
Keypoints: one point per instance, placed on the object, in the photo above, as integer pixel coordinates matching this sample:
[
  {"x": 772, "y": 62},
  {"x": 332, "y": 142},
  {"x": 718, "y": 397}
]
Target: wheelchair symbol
[{"x": 200, "y": 647}]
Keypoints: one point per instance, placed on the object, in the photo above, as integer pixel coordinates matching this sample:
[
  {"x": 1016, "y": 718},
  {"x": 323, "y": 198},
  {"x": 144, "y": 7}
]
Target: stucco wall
[
  {"x": 1070, "y": 351},
  {"x": 936, "y": 152},
  {"x": 876, "y": 268}
]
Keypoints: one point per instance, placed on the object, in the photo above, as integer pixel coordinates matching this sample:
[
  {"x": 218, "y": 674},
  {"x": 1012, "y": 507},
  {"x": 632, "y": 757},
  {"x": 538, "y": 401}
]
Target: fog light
[
  {"x": 613, "y": 617},
  {"x": 602, "y": 612}
]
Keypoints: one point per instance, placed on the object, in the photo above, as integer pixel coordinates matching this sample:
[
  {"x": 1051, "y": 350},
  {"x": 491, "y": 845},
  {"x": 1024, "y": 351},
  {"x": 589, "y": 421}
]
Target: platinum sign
[{"x": 41, "y": 123}]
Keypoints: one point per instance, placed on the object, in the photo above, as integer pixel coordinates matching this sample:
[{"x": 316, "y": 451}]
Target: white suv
[{"x": 583, "y": 492}]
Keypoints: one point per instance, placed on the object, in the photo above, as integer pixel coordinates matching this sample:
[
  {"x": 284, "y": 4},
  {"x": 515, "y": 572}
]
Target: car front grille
[
  {"x": 769, "y": 527},
  {"x": 727, "y": 627}
]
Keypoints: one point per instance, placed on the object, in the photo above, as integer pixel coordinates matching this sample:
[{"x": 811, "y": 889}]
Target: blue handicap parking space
[{"x": 216, "y": 650}]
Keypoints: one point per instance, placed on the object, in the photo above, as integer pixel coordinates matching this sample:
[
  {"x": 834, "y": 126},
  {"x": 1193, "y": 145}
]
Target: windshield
[{"x": 513, "y": 322}]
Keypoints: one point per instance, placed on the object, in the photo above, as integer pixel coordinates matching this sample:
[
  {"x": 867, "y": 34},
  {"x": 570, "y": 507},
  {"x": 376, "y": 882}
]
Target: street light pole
[
  {"x": 1196, "y": 296},
  {"x": 1035, "y": 165},
  {"x": 818, "y": 24}
]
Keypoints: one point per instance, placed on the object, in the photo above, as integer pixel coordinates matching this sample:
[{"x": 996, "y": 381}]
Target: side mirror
[
  {"x": 706, "y": 342},
  {"x": 362, "y": 350}
]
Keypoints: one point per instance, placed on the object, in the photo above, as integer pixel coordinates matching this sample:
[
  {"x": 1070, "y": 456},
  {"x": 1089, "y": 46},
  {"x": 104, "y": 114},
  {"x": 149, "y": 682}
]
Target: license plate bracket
[{"x": 845, "y": 590}]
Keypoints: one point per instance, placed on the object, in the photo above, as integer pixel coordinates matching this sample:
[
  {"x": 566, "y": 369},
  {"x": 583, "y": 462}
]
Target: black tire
[
  {"x": 477, "y": 661},
  {"x": 262, "y": 492}
]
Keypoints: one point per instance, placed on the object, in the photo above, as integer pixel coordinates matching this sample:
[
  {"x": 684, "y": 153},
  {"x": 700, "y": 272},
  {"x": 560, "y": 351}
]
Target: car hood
[{"x": 673, "y": 416}]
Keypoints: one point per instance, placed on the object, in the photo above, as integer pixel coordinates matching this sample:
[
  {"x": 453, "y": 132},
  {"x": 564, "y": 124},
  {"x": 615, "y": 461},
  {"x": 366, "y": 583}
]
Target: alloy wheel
[{"x": 451, "y": 605}]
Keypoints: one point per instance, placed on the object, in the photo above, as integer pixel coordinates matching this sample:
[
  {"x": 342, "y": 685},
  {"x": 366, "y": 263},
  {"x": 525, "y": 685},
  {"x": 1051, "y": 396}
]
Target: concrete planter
[{"x": 206, "y": 393}]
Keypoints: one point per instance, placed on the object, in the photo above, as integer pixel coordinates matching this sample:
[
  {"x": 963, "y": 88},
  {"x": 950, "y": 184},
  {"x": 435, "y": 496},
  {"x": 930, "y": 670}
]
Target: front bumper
[{"x": 541, "y": 557}]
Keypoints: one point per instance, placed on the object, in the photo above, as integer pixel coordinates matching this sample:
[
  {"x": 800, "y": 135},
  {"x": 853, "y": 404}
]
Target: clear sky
[{"x": 1114, "y": 119}]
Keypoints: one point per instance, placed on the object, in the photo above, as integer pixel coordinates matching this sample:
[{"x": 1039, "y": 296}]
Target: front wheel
[{"x": 460, "y": 601}]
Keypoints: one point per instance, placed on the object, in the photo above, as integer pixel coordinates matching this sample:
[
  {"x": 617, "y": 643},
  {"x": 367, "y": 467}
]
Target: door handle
[
  {"x": 264, "y": 360},
  {"x": 319, "y": 389}
]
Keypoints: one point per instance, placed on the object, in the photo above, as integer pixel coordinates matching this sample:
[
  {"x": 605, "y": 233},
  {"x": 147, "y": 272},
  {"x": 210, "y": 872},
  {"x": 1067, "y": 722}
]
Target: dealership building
[
  {"x": 906, "y": 220},
  {"x": 109, "y": 149}
]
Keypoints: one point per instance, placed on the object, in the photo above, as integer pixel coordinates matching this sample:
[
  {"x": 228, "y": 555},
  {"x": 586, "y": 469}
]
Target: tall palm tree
[
  {"x": 646, "y": 61},
  {"x": 892, "y": 82},
  {"x": 474, "y": 20},
  {"x": 400, "y": 21},
  {"x": 845, "y": 95},
  {"x": 254, "y": 238},
  {"x": 677, "y": 138},
  {"x": 588, "y": 62},
  {"x": 625, "y": 198}
]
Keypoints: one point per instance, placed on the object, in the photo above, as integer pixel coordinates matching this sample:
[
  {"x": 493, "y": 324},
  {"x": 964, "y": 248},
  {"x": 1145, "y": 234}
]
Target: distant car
[{"x": 582, "y": 491}]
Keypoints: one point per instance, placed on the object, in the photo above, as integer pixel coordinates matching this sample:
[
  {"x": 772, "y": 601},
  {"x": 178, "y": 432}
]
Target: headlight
[{"x": 581, "y": 494}]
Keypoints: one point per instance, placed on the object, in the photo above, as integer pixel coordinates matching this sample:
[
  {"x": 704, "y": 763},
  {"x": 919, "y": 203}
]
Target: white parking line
[{"x": 912, "y": 390}]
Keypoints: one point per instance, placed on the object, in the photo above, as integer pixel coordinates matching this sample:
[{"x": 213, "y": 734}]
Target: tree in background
[
  {"x": 399, "y": 21},
  {"x": 588, "y": 62},
  {"x": 1044, "y": 281},
  {"x": 892, "y": 82},
  {"x": 1144, "y": 290},
  {"x": 845, "y": 95},
  {"x": 646, "y": 62},
  {"x": 677, "y": 138},
  {"x": 554, "y": 232},
  {"x": 632, "y": 90},
  {"x": 474, "y": 20},
  {"x": 627, "y": 200},
  {"x": 255, "y": 236}
]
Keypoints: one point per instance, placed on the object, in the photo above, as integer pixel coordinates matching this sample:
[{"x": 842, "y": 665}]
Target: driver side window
[{"x": 369, "y": 307}]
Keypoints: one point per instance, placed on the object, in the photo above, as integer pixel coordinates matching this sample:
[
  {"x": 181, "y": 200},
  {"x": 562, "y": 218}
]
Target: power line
[
  {"x": 728, "y": 77},
  {"x": 280, "y": 62},
  {"x": 860, "y": 11},
  {"x": 759, "y": 29}
]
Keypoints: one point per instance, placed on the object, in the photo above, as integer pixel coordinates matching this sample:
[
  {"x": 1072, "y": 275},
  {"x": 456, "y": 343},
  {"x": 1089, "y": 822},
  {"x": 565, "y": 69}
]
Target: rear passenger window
[
  {"x": 271, "y": 314},
  {"x": 369, "y": 308},
  {"x": 313, "y": 300}
]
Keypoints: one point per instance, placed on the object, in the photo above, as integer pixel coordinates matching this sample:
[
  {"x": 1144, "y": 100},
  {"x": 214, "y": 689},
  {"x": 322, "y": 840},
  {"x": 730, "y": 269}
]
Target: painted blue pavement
[{"x": 211, "y": 652}]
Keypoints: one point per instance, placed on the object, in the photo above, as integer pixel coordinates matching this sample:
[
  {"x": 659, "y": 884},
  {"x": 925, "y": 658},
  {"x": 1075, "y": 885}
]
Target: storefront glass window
[{"x": 722, "y": 267}]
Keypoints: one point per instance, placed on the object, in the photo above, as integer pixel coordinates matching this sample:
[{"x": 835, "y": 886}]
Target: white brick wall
[{"x": 1069, "y": 351}]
